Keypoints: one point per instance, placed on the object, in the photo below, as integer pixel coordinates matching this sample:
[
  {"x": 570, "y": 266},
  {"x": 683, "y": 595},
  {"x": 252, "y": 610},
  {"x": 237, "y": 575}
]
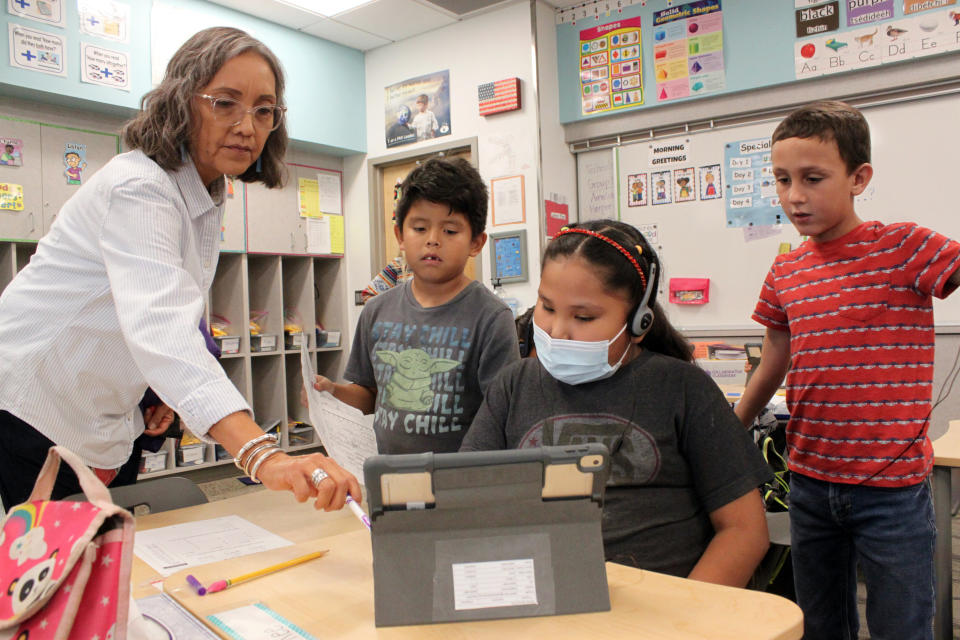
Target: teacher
[{"x": 111, "y": 300}]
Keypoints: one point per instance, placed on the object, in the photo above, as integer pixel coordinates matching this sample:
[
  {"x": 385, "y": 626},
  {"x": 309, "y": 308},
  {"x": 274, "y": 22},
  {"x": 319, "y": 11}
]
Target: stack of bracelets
[{"x": 250, "y": 462}]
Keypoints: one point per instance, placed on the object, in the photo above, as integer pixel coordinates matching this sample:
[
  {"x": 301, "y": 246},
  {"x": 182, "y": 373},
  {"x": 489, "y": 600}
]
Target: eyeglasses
[{"x": 229, "y": 111}]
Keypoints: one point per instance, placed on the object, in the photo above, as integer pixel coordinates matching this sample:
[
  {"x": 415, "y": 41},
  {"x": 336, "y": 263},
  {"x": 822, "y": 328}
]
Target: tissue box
[
  {"x": 228, "y": 344},
  {"x": 263, "y": 342},
  {"x": 152, "y": 462},
  {"x": 190, "y": 454}
]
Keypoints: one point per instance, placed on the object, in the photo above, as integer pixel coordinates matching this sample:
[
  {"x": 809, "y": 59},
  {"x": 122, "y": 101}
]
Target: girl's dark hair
[
  {"x": 619, "y": 275},
  {"x": 453, "y": 183},
  {"x": 165, "y": 121}
]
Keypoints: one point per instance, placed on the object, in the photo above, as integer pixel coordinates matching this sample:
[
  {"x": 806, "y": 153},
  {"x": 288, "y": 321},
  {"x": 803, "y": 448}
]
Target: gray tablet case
[{"x": 483, "y": 535}]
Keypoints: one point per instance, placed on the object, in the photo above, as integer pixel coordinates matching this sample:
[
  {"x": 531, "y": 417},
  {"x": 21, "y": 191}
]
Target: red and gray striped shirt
[{"x": 860, "y": 315}]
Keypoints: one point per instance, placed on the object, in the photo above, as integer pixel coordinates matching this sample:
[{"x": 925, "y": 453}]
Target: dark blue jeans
[{"x": 889, "y": 532}]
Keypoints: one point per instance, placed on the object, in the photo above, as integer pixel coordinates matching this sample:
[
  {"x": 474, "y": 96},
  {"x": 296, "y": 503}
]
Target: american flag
[{"x": 499, "y": 96}]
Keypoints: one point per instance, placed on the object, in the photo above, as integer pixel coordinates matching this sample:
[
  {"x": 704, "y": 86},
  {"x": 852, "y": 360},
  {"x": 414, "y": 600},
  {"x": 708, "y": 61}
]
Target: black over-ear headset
[{"x": 641, "y": 319}]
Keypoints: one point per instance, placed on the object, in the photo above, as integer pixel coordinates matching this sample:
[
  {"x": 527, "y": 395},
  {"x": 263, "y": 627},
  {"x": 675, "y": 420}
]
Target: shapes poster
[
  {"x": 104, "y": 67},
  {"x": 710, "y": 182},
  {"x": 637, "y": 190},
  {"x": 49, "y": 11},
  {"x": 33, "y": 50},
  {"x": 751, "y": 191},
  {"x": 660, "y": 183},
  {"x": 611, "y": 67},
  {"x": 688, "y": 50},
  {"x": 417, "y": 109},
  {"x": 11, "y": 152},
  {"x": 684, "y": 185},
  {"x": 105, "y": 19},
  {"x": 875, "y": 37}
]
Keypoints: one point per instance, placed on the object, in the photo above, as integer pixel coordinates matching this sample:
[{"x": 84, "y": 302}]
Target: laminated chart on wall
[
  {"x": 872, "y": 34},
  {"x": 105, "y": 19},
  {"x": 611, "y": 66},
  {"x": 751, "y": 191},
  {"x": 33, "y": 50},
  {"x": 51, "y": 12},
  {"x": 688, "y": 50},
  {"x": 11, "y": 197},
  {"x": 104, "y": 67}
]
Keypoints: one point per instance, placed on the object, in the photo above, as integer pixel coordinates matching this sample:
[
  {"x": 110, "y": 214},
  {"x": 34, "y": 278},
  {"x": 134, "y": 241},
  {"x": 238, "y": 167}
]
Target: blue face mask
[{"x": 576, "y": 361}]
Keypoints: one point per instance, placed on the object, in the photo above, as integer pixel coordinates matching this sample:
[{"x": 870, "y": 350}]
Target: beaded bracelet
[
  {"x": 256, "y": 465},
  {"x": 249, "y": 444},
  {"x": 253, "y": 455}
]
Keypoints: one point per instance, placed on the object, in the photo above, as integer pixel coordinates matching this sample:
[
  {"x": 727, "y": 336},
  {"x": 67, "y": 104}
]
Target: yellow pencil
[{"x": 220, "y": 585}]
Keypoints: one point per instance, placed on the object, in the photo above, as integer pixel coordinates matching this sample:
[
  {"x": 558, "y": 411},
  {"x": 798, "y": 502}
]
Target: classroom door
[{"x": 391, "y": 178}]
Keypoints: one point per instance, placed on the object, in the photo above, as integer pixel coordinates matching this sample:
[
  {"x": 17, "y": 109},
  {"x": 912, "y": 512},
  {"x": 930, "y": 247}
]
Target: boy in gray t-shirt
[{"x": 425, "y": 351}]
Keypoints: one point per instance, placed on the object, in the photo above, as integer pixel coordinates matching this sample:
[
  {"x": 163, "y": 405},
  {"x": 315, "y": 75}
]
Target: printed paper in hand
[
  {"x": 171, "y": 549},
  {"x": 346, "y": 433}
]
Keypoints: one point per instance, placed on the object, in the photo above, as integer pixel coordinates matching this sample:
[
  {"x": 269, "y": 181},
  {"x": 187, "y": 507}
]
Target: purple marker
[
  {"x": 193, "y": 582},
  {"x": 357, "y": 511}
]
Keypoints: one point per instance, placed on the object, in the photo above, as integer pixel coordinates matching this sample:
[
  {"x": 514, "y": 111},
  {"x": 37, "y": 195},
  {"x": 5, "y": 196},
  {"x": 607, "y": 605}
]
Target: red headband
[{"x": 613, "y": 243}]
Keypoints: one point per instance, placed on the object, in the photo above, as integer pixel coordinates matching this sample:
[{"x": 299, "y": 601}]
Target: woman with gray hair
[{"x": 112, "y": 298}]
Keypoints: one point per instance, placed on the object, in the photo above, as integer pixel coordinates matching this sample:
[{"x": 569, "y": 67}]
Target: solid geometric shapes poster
[
  {"x": 688, "y": 50},
  {"x": 611, "y": 67}
]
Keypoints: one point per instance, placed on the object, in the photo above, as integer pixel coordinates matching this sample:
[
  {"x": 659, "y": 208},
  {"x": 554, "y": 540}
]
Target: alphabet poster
[
  {"x": 870, "y": 40},
  {"x": 611, "y": 66},
  {"x": 688, "y": 50}
]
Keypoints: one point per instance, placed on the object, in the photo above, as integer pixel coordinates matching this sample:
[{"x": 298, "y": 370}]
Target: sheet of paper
[
  {"x": 346, "y": 433},
  {"x": 508, "y": 200},
  {"x": 257, "y": 621},
  {"x": 170, "y": 549},
  {"x": 499, "y": 583},
  {"x": 318, "y": 235},
  {"x": 328, "y": 185},
  {"x": 308, "y": 198},
  {"x": 163, "y": 613},
  {"x": 337, "y": 241}
]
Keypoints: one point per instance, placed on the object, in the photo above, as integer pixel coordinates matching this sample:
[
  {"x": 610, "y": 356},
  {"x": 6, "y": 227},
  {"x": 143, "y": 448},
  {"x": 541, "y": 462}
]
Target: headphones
[{"x": 641, "y": 318}]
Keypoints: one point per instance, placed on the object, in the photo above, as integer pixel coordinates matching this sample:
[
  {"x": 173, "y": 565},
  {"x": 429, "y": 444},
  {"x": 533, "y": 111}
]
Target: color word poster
[
  {"x": 871, "y": 44},
  {"x": 611, "y": 67},
  {"x": 688, "y": 50},
  {"x": 751, "y": 191}
]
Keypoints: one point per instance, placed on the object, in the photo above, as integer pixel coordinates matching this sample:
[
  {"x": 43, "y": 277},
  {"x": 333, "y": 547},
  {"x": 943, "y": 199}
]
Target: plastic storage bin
[
  {"x": 263, "y": 342},
  {"x": 153, "y": 462}
]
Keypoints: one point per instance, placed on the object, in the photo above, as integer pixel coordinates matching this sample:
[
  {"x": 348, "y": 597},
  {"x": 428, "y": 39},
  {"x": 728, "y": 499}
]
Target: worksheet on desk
[
  {"x": 346, "y": 433},
  {"x": 170, "y": 549}
]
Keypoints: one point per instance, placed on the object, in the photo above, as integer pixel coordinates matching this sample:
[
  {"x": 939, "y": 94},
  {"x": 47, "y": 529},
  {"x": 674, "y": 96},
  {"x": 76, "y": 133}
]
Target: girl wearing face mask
[{"x": 682, "y": 495}]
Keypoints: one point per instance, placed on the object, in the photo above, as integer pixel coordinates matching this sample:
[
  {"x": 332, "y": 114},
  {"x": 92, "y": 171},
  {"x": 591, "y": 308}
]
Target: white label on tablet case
[{"x": 499, "y": 583}]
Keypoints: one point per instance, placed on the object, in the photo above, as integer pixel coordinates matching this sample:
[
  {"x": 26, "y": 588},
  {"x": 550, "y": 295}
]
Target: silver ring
[{"x": 318, "y": 476}]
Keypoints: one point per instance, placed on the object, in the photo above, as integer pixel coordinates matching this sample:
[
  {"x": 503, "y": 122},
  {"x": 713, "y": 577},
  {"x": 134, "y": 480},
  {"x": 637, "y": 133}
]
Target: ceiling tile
[
  {"x": 273, "y": 11},
  {"x": 344, "y": 34},
  {"x": 395, "y": 19}
]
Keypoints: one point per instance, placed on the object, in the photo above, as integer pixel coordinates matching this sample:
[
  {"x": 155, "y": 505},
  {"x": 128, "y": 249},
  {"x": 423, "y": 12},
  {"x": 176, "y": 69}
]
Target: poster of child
[
  {"x": 75, "y": 161},
  {"x": 662, "y": 193},
  {"x": 637, "y": 190},
  {"x": 710, "y": 181},
  {"x": 417, "y": 109},
  {"x": 683, "y": 184},
  {"x": 11, "y": 152}
]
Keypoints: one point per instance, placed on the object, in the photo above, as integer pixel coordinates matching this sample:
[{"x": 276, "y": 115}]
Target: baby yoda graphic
[{"x": 409, "y": 385}]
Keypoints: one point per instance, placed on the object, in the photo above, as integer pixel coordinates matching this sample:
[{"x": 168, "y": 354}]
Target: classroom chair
[{"x": 159, "y": 494}]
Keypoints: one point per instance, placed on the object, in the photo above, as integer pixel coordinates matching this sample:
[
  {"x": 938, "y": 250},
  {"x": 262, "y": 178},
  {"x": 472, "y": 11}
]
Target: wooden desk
[
  {"x": 946, "y": 456},
  {"x": 332, "y": 597}
]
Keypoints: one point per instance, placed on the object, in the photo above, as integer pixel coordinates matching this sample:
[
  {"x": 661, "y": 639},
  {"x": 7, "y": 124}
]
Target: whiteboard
[{"x": 916, "y": 175}]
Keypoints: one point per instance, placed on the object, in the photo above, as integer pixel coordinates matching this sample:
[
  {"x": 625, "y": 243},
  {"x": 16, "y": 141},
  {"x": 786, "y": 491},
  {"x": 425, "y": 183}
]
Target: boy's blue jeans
[{"x": 889, "y": 532}]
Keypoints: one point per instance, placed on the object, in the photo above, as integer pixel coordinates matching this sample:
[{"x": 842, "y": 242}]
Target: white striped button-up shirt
[{"x": 109, "y": 305}]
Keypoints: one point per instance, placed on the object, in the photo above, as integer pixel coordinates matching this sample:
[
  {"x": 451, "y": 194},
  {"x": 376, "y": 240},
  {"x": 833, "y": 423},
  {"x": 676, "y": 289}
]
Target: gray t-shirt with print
[
  {"x": 679, "y": 452},
  {"x": 430, "y": 366}
]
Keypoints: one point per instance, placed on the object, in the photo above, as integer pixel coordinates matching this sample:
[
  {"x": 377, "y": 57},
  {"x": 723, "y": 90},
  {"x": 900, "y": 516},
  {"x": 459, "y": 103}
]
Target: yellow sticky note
[
  {"x": 11, "y": 197},
  {"x": 308, "y": 196},
  {"x": 337, "y": 242}
]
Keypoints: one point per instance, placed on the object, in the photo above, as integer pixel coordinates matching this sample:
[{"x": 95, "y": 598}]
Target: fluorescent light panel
[{"x": 327, "y": 8}]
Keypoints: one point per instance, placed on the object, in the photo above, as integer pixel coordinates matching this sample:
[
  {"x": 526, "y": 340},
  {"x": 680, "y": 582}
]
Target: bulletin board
[
  {"x": 759, "y": 47},
  {"x": 914, "y": 180}
]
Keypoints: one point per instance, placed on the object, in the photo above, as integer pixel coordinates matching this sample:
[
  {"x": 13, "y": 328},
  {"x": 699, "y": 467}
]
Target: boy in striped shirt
[{"x": 849, "y": 313}]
